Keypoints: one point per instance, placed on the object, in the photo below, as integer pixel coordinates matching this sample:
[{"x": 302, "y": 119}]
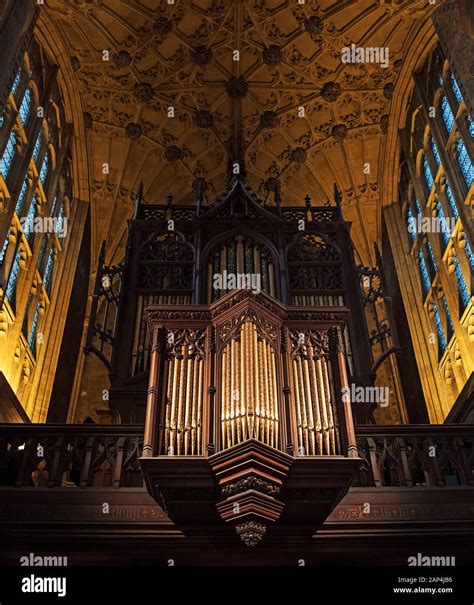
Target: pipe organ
[{"x": 239, "y": 326}]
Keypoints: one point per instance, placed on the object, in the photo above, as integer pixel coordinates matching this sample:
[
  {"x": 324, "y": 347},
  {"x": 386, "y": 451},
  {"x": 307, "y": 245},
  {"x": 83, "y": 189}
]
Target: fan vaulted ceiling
[{"x": 181, "y": 55}]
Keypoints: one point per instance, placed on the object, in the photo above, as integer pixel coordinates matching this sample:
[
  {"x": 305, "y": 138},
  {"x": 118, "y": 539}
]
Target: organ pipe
[{"x": 249, "y": 406}]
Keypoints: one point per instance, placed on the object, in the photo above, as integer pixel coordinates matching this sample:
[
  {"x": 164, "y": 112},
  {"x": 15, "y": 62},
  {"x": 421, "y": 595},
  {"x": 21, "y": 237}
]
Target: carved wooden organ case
[{"x": 237, "y": 323}]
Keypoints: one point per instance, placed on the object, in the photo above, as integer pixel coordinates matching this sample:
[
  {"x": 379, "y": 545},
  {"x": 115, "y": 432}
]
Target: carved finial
[
  {"x": 307, "y": 201},
  {"x": 138, "y": 201},
  {"x": 169, "y": 199}
]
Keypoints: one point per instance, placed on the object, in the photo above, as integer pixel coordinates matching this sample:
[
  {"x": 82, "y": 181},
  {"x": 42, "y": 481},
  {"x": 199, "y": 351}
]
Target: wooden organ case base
[{"x": 251, "y": 487}]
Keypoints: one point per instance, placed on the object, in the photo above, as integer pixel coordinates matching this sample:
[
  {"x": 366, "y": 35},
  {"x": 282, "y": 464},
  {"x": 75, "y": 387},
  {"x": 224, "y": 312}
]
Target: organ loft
[{"x": 236, "y": 281}]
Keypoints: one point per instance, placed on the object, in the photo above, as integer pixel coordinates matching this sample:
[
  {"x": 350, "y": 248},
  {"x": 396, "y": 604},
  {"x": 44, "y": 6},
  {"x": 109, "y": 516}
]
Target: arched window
[
  {"x": 25, "y": 107},
  {"x": 434, "y": 149},
  {"x": 427, "y": 174},
  {"x": 12, "y": 278},
  {"x": 44, "y": 169},
  {"x": 456, "y": 89},
  {"x": 21, "y": 198},
  {"x": 48, "y": 272},
  {"x": 424, "y": 274},
  {"x": 439, "y": 328},
  {"x": 8, "y": 155},
  {"x": 447, "y": 113},
  {"x": 465, "y": 163}
]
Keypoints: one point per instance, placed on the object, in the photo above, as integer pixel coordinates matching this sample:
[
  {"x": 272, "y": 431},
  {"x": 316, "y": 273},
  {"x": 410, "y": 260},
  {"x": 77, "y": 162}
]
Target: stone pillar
[
  {"x": 454, "y": 25},
  {"x": 17, "y": 20}
]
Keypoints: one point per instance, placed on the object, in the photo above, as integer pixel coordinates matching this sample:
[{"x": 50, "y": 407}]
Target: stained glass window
[
  {"x": 446, "y": 112},
  {"x": 48, "y": 270},
  {"x": 418, "y": 207},
  {"x": 37, "y": 148},
  {"x": 439, "y": 328},
  {"x": 425, "y": 276},
  {"x": 3, "y": 252},
  {"x": 34, "y": 329},
  {"x": 432, "y": 258},
  {"x": 470, "y": 126},
  {"x": 44, "y": 169},
  {"x": 59, "y": 224},
  {"x": 410, "y": 225},
  {"x": 465, "y": 163},
  {"x": 21, "y": 198},
  {"x": 442, "y": 219},
  {"x": 16, "y": 82},
  {"x": 30, "y": 220},
  {"x": 25, "y": 106},
  {"x": 8, "y": 155},
  {"x": 456, "y": 89},
  {"x": 13, "y": 277},
  {"x": 434, "y": 149},
  {"x": 427, "y": 173}
]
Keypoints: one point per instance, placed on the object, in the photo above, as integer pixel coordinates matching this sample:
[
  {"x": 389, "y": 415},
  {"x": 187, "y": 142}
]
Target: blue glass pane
[
  {"x": 442, "y": 219},
  {"x": 463, "y": 291},
  {"x": 425, "y": 277},
  {"x": 21, "y": 199},
  {"x": 44, "y": 169},
  {"x": 59, "y": 224},
  {"x": 4, "y": 249},
  {"x": 434, "y": 149},
  {"x": 440, "y": 80},
  {"x": 48, "y": 270},
  {"x": 427, "y": 173},
  {"x": 10, "y": 289},
  {"x": 452, "y": 201},
  {"x": 465, "y": 163},
  {"x": 8, "y": 155},
  {"x": 469, "y": 254},
  {"x": 34, "y": 328},
  {"x": 470, "y": 126},
  {"x": 16, "y": 82},
  {"x": 432, "y": 258},
  {"x": 25, "y": 106},
  {"x": 439, "y": 328},
  {"x": 418, "y": 207},
  {"x": 37, "y": 148},
  {"x": 448, "y": 117},
  {"x": 449, "y": 319},
  {"x": 456, "y": 89}
]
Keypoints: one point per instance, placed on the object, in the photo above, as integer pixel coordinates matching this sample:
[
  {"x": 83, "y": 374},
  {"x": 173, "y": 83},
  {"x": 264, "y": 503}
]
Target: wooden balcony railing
[
  {"x": 415, "y": 455},
  {"x": 68, "y": 455}
]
